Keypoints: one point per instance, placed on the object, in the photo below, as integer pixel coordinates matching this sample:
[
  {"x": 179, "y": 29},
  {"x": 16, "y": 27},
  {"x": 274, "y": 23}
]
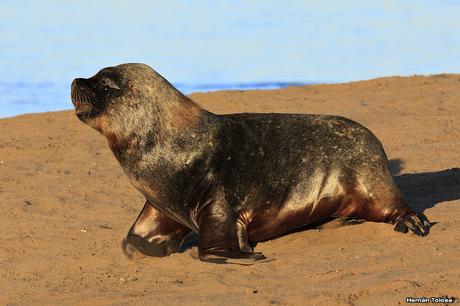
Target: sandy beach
[{"x": 66, "y": 205}]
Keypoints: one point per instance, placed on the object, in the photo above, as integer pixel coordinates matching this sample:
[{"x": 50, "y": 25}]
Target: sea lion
[{"x": 234, "y": 179}]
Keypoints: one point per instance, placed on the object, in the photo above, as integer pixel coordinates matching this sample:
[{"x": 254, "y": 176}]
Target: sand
[{"x": 65, "y": 205}]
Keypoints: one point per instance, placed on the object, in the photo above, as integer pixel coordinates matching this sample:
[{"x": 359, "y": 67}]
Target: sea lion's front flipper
[
  {"x": 222, "y": 239},
  {"x": 236, "y": 258},
  {"x": 154, "y": 234}
]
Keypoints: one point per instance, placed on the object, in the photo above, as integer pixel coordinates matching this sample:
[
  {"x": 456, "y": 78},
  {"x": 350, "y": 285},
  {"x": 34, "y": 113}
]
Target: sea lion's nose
[{"x": 76, "y": 82}]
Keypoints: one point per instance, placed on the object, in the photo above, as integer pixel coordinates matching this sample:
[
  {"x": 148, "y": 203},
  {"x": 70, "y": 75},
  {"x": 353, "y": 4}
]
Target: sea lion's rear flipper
[
  {"x": 416, "y": 223},
  {"x": 377, "y": 199}
]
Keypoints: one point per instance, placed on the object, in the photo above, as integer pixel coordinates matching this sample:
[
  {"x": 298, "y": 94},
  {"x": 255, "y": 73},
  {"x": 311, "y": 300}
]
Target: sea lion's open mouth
[{"x": 82, "y": 108}]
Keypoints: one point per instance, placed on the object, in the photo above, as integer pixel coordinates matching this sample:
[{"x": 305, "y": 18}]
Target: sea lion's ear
[
  {"x": 112, "y": 84},
  {"x": 107, "y": 83}
]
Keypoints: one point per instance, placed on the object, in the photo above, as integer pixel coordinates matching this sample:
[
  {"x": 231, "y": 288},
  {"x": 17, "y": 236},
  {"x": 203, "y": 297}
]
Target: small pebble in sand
[{"x": 251, "y": 291}]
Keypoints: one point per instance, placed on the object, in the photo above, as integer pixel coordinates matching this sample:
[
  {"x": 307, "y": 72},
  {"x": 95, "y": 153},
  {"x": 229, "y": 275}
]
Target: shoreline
[{"x": 201, "y": 88}]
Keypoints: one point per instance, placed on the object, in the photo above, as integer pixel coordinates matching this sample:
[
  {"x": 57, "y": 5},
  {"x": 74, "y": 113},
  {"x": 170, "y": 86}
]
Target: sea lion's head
[{"x": 116, "y": 96}]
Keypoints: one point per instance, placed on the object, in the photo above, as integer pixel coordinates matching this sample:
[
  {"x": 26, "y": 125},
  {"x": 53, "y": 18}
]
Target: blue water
[{"x": 211, "y": 45}]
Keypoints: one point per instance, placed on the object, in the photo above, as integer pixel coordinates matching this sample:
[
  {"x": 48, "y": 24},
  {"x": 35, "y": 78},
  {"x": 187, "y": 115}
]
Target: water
[{"x": 211, "y": 45}]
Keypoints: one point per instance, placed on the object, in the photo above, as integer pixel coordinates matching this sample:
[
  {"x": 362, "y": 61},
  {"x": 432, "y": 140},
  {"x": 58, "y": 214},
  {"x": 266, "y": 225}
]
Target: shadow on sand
[{"x": 427, "y": 189}]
